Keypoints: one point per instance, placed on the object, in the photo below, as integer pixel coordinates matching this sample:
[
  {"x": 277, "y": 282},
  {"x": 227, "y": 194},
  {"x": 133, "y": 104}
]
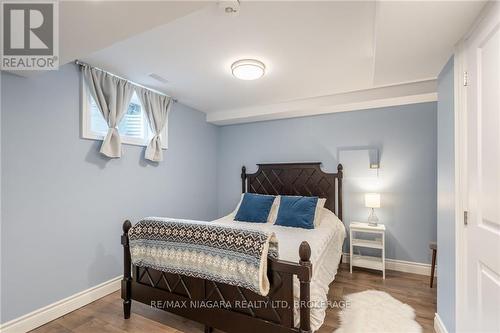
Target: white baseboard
[
  {"x": 58, "y": 309},
  {"x": 402, "y": 266},
  {"x": 438, "y": 325}
]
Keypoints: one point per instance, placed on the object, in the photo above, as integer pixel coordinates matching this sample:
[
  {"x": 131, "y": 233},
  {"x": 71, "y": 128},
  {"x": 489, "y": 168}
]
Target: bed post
[
  {"x": 127, "y": 279},
  {"x": 340, "y": 175},
  {"x": 243, "y": 179},
  {"x": 305, "y": 291}
]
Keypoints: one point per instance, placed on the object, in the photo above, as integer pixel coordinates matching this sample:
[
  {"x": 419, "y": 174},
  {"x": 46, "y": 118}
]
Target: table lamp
[{"x": 372, "y": 200}]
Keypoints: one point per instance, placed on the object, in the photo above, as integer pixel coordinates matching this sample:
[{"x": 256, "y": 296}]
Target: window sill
[{"x": 125, "y": 140}]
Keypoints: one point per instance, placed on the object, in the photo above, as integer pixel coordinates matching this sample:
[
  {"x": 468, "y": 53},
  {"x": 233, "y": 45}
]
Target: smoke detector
[
  {"x": 230, "y": 7},
  {"x": 158, "y": 78}
]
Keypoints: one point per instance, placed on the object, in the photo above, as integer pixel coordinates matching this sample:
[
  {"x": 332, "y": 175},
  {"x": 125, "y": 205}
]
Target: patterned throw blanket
[{"x": 204, "y": 250}]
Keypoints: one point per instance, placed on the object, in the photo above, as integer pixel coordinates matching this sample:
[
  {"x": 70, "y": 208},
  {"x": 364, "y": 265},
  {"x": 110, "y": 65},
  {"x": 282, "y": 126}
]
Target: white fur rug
[{"x": 374, "y": 311}]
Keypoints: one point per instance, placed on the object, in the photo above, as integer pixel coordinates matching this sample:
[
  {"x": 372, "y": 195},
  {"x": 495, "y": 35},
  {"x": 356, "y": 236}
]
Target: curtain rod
[{"x": 83, "y": 64}]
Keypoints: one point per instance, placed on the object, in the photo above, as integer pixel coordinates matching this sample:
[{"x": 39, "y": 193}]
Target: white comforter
[{"x": 326, "y": 248}]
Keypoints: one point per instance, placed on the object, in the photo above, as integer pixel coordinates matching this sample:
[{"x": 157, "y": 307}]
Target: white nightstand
[{"x": 378, "y": 242}]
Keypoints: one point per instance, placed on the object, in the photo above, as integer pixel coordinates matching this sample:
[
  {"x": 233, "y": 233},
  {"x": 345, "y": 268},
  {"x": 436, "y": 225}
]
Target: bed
[{"x": 299, "y": 279}]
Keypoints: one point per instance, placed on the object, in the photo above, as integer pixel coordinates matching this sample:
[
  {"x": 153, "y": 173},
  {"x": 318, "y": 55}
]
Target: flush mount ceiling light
[{"x": 248, "y": 69}]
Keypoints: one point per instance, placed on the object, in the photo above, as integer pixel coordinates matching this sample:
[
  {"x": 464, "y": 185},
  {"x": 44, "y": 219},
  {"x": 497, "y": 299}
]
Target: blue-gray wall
[
  {"x": 446, "y": 198},
  {"x": 63, "y": 204},
  {"x": 406, "y": 138}
]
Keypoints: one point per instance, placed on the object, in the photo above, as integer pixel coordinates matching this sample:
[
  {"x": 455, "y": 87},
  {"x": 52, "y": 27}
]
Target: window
[{"x": 133, "y": 128}]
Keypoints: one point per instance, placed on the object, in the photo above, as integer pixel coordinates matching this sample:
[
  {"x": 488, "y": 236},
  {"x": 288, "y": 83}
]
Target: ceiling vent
[
  {"x": 158, "y": 78},
  {"x": 230, "y": 7}
]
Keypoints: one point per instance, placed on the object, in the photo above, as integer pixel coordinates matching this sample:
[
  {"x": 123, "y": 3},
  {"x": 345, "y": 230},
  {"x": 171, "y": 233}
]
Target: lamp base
[{"x": 372, "y": 219}]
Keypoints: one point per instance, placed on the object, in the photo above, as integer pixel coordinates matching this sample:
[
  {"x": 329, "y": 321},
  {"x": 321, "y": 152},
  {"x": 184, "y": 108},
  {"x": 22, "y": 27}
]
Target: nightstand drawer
[{"x": 374, "y": 244}]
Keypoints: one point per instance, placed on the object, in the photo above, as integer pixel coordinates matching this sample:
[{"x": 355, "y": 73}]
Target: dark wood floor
[{"x": 105, "y": 315}]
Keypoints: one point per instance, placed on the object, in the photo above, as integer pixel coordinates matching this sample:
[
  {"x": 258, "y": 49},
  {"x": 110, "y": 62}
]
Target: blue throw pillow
[
  {"x": 297, "y": 212},
  {"x": 254, "y": 208}
]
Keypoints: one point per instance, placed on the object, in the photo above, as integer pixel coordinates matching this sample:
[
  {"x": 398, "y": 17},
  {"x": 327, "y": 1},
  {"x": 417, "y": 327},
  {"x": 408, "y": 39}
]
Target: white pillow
[
  {"x": 233, "y": 214},
  {"x": 318, "y": 211},
  {"x": 273, "y": 213},
  {"x": 327, "y": 216}
]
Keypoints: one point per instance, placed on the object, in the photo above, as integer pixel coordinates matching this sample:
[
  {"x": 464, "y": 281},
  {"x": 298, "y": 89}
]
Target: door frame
[
  {"x": 461, "y": 186},
  {"x": 460, "y": 128}
]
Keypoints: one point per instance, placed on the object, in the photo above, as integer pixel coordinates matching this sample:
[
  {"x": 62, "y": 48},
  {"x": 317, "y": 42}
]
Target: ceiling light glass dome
[{"x": 248, "y": 69}]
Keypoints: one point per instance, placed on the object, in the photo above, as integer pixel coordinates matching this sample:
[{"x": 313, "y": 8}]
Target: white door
[{"x": 482, "y": 233}]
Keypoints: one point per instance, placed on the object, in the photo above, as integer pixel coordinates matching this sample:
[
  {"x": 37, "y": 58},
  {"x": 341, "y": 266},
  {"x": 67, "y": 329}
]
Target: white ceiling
[
  {"x": 311, "y": 49},
  {"x": 89, "y": 26},
  {"x": 415, "y": 39}
]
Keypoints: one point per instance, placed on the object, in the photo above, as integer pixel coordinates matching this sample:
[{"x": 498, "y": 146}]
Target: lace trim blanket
[{"x": 204, "y": 250}]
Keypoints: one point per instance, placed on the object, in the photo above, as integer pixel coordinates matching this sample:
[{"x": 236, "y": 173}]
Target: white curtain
[
  {"x": 157, "y": 108},
  {"x": 112, "y": 95}
]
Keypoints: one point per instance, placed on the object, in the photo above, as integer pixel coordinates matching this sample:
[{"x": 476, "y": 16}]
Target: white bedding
[{"x": 326, "y": 248}]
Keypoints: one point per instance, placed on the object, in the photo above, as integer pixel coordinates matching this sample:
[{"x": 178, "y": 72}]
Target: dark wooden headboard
[{"x": 305, "y": 179}]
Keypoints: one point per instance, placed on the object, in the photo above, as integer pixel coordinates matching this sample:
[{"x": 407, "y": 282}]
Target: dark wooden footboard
[{"x": 218, "y": 305}]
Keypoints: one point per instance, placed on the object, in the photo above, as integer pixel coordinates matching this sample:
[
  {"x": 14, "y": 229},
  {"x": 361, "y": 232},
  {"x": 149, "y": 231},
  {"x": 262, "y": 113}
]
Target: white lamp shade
[{"x": 372, "y": 200}]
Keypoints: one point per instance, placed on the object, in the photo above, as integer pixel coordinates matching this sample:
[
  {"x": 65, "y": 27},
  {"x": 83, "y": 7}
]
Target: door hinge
[
  {"x": 466, "y": 79},
  {"x": 466, "y": 217}
]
